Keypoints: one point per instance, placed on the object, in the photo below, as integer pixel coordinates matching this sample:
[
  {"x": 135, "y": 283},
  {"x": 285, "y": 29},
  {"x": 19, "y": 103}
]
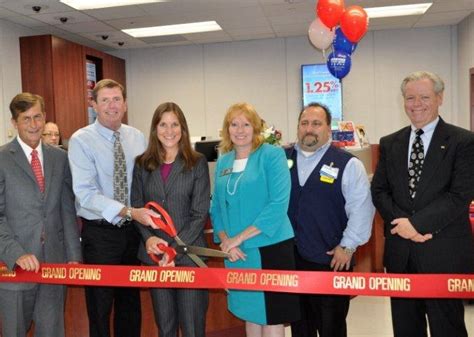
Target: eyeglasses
[{"x": 51, "y": 134}]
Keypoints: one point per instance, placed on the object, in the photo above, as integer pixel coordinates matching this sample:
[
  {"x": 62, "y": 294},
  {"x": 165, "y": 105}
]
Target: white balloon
[{"x": 320, "y": 35}]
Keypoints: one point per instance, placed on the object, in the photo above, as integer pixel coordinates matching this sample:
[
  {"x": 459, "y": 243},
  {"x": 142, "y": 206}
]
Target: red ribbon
[{"x": 368, "y": 284}]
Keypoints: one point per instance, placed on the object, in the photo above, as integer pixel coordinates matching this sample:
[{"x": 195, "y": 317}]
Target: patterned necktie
[
  {"x": 37, "y": 170},
  {"x": 120, "y": 172},
  {"x": 415, "y": 166}
]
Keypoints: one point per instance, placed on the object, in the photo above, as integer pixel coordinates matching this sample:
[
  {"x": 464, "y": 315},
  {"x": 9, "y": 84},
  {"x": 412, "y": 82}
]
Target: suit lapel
[
  {"x": 400, "y": 154},
  {"x": 48, "y": 165},
  {"x": 225, "y": 169},
  {"x": 434, "y": 156},
  {"x": 176, "y": 169},
  {"x": 157, "y": 182},
  {"x": 21, "y": 160}
]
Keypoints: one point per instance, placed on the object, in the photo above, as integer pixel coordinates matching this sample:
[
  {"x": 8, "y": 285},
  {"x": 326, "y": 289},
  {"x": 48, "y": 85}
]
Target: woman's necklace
[{"x": 236, "y": 183}]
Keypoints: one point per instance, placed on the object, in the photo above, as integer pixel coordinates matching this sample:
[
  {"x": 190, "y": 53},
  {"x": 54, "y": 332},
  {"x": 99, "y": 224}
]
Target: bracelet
[{"x": 348, "y": 251}]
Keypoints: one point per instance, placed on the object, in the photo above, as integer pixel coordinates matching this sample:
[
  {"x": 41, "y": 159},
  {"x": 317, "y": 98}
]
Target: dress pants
[
  {"x": 445, "y": 316},
  {"x": 183, "y": 308},
  {"x": 104, "y": 243},
  {"x": 44, "y": 304},
  {"x": 322, "y": 315}
]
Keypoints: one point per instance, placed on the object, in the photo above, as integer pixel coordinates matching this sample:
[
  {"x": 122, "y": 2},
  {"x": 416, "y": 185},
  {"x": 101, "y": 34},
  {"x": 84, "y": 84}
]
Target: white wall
[
  {"x": 10, "y": 72},
  {"x": 465, "y": 62},
  {"x": 204, "y": 80}
]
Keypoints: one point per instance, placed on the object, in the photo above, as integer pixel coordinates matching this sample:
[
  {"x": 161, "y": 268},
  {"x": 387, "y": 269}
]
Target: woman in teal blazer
[{"x": 249, "y": 216}]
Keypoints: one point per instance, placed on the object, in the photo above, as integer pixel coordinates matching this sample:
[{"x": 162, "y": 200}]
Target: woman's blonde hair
[{"x": 248, "y": 111}]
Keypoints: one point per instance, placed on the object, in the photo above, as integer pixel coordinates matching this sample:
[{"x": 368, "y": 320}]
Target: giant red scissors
[{"x": 166, "y": 224}]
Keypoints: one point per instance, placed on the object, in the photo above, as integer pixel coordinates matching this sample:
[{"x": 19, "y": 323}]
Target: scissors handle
[
  {"x": 165, "y": 223},
  {"x": 170, "y": 251}
]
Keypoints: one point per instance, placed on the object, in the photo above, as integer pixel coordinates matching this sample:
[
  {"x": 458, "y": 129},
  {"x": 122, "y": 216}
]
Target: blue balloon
[
  {"x": 339, "y": 64},
  {"x": 341, "y": 43}
]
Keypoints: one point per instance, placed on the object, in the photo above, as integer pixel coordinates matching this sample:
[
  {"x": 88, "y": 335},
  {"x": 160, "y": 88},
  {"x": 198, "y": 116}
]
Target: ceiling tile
[
  {"x": 451, "y": 5},
  {"x": 54, "y": 18},
  {"x": 448, "y": 18},
  {"x": 5, "y": 13},
  {"x": 250, "y": 30},
  {"x": 26, "y": 21},
  {"x": 85, "y": 27},
  {"x": 116, "y": 12},
  {"x": 25, "y": 7}
]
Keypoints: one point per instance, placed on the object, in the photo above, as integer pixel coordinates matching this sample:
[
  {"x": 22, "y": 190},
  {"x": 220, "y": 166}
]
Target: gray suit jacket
[
  {"x": 25, "y": 212},
  {"x": 185, "y": 196}
]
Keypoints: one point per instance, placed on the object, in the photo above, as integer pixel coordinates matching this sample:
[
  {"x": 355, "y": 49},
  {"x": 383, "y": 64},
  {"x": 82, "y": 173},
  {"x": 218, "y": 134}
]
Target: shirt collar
[
  {"x": 28, "y": 149},
  {"x": 105, "y": 132},
  {"x": 428, "y": 127}
]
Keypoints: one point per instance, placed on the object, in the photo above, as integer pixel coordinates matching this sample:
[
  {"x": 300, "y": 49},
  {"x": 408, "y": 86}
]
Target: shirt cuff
[{"x": 111, "y": 212}]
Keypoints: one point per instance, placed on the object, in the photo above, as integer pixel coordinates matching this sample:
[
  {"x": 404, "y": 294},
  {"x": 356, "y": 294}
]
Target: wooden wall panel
[
  {"x": 56, "y": 69},
  {"x": 36, "y": 70},
  {"x": 114, "y": 68},
  {"x": 378, "y": 238},
  {"x": 69, "y": 86}
]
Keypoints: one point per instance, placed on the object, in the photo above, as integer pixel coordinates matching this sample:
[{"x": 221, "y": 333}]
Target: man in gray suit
[{"x": 37, "y": 222}]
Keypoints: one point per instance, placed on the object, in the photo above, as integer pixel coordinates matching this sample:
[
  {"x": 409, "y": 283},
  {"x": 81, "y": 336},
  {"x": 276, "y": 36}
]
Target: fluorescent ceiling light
[
  {"x": 93, "y": 4},
  {"x": 185, "y": 28},
  {"x": 402, "y": 10}
]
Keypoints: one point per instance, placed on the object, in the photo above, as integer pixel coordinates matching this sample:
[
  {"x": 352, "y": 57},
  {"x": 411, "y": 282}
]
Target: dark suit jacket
[
  {"x": 25, "y": 212},
  {"x": 440, "y": 206},
  {"x": 185, "y": 196}
]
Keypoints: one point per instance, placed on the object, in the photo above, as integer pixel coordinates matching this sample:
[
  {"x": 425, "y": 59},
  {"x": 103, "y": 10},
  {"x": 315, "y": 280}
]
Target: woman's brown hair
[{"x": 155, "y": 153}]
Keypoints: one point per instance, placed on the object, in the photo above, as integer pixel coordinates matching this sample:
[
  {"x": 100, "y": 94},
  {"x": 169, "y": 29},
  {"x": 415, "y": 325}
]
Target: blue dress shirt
[
  {"x": 355, "y": 189},
  {"x": 91, "y": 157}
]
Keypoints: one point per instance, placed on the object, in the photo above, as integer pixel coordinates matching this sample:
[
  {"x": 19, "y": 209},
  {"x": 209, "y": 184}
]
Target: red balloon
[
  {"x": 330, "y": 11},
  {"x": 354, "y": 23}
]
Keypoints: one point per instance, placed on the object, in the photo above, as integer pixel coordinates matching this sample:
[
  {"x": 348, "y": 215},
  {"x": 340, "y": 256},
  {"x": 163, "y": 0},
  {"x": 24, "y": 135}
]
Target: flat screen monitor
[
  {"x": 209, "y": 148},
  {"x": 319, "y": 86}
]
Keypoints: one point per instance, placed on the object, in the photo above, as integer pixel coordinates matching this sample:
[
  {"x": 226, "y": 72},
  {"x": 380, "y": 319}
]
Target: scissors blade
[
  {"x": 201, "y": 251},
  {"x": 197, "y": 260}
]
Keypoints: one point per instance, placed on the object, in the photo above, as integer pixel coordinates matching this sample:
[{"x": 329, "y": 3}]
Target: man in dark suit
[
  {"x": 37, "y": 222},
  {"x": 422, "y": 188}
]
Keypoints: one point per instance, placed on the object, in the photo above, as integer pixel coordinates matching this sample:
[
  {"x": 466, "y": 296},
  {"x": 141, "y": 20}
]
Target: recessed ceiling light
[
  {"x": 93, "y": 4},
  {"x": 185, "y": 28},
  {"x": 402, "y": 10}
]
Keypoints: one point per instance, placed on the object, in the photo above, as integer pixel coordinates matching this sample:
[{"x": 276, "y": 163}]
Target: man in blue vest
[{"x": 331, "y": 212}]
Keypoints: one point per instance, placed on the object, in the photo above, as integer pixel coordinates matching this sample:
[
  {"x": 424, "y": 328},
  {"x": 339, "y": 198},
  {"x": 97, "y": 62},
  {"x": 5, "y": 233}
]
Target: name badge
[
  {"x": 226, "y": 172},
  {"x": 329, "y": 171},
  {"x": 327, "y": 180}
]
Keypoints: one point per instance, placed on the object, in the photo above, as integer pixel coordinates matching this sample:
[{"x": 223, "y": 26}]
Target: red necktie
[{"x": 37, "y": 170}]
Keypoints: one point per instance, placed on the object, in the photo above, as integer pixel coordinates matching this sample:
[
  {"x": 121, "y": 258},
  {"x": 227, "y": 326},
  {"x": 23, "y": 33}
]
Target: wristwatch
[
  {"x": 126, "y": 218},
  {"x": 348, "y": 251},
  {"x": 128, "y": 214}
]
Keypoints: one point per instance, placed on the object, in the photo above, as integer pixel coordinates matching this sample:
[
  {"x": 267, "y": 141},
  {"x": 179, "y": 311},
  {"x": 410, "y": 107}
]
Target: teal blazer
[{"x": 263, "y": 195}]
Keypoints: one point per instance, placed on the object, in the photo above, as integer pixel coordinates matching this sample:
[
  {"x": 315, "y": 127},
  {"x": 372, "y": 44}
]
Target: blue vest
[{"x": 316, "y": 210}]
